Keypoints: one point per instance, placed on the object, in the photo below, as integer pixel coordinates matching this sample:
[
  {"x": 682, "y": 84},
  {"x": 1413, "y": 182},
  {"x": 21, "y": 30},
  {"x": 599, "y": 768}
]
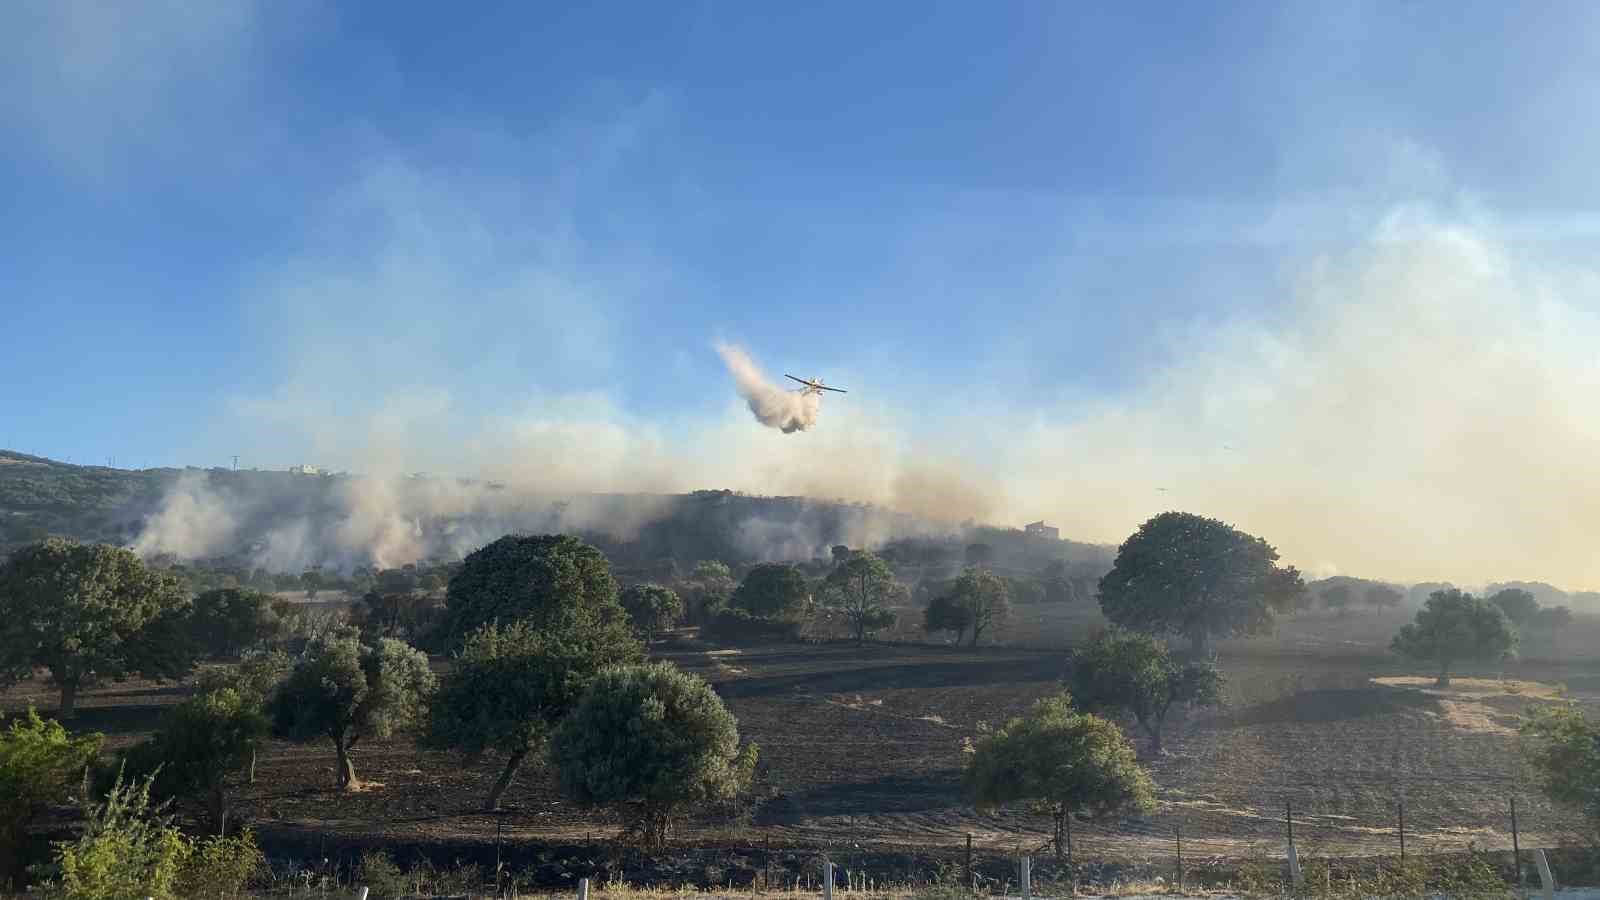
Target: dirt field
[{"x": 863, "y": 746}]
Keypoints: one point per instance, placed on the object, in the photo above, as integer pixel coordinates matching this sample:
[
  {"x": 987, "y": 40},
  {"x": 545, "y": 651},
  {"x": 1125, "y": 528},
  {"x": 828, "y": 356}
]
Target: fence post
[
  {"x": 362, "y": 894},
  {"x": 583, "y": 889},
  {"x": 1402, "y": 806},
  {"x": 972, "y": 878},
  {"x": 1294, "y": 858},
  {"x": 827, "y": 880},
  {"x": 1027, "y": 878},
  {"x": 1516, "y": 849},
  {"x": 1069, "y": 837},
  {"x": 1545, "y": 875}
]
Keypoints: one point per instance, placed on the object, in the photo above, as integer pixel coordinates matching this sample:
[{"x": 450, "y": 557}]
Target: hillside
[{"x": 286, "y": 521}]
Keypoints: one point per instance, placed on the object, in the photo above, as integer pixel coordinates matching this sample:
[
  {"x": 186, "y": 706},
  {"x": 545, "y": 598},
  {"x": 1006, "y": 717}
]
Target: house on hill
[{"x": 1040, "y": 530}]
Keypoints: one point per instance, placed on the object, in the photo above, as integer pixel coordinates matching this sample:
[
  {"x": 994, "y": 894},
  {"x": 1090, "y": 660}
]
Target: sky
[{"x": 1325, "y": 271}]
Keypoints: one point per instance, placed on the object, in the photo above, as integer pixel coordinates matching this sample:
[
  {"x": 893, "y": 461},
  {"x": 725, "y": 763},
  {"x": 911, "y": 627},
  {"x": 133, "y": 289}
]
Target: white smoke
[
  {"x": 190, "y": 523},
  {"x": 774, "y": 407}
]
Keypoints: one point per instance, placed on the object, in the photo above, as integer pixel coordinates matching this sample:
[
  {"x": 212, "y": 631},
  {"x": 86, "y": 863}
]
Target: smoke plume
[{"x": 774, "y": 407}]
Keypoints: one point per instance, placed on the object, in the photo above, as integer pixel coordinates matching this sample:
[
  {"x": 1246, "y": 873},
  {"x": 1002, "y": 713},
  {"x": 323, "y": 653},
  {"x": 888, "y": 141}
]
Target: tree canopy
[
  {"x": 1518, "y": 605},
  {"x": 1453, "y": 627},
  {"x": 347, "y": 692},
  {"x": 1060, "y": 761},
  {"x": 653, "y": 738},
  {"x": 1127, "y": 671},
  {"x": 651, "y": 608},
  {"x": 861, "y": 588},
  {"x": 531, "y": 578},
  {"x": 1198, "y": 578},
  {"x": 985, "y": 597},
  {"x": 773, "y": 591},
  {"x": 202, "y": 741},
  {"x": 511, "y": 684},
  {"x": 945, "y": 613},
  {"x": 228, "y": 621},
  {"x": 86, "y": 612}
]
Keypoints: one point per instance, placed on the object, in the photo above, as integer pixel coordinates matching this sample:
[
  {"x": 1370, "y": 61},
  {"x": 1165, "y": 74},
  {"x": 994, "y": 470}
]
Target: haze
[{"x": 1324, "y": 271}]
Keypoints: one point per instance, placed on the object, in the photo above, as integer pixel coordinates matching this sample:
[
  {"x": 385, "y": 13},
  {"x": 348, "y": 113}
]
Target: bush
[
  {"x": 39, "y": 765},
  {"x": 220, "y": 865},
  {"x": 128, "y": 850},
  {"x": 380, "y": 874},
  {"x": 733, "y": 624}
]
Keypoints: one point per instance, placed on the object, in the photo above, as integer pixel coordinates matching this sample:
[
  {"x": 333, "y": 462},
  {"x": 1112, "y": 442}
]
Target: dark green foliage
[
  {"x": 945, "y": 613},
  {"x": 651, "y": 608},
  {"x": 707, "y": 590},
  {"x": 1062, "y": 762},
  {"x": 87, "y": 612},
  {"x": 1198, "y": 578},
  {"x": 652, "y": 738},
  {"x": 346, "y": 692},
  {"x": 1563, "y": 747},
  {"x": 534, "y": 579},
  {"x": 985, "y": 598},
  {"x": 40, "y": 766},
  {"x": 228, "y": 621},
  {"x": 511, "y": 684},
  {"x": 862, "y": 589},
  {"x": 1454, "y": 626},
  {"x": 202, "y": 742},
  {"x": 1132, "y": 672},
  {"x": 731, "y": 625},
  {"x": 773, "y": 591},
  {"x": 1518, "y": 605}
]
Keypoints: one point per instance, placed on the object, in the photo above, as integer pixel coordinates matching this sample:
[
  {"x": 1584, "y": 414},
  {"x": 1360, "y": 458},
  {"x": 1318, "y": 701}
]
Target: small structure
[
  {"x": 1040, "y": 530},
  {"x": 305, "y": 470}
]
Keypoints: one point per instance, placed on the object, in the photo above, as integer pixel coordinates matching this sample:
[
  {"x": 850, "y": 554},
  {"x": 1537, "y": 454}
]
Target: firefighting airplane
[{"x": 814, "y": 386}]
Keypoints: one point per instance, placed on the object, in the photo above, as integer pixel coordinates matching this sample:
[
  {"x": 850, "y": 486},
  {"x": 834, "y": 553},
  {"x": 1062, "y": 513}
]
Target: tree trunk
[
  {"x": 69, "y": 700},
  {"x": 504, "y": 781},
  {"x": 1061, "y": 817},
  {"x": 252, "y": 765},
  {"x": 219, "y": 809},
  {"x": 346, "y": 773},
  {"x": 1153, "y": 729}
]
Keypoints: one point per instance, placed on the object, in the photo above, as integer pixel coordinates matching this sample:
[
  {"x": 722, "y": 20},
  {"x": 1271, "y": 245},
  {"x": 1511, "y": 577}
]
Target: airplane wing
[
  {"x": 840, "y": 390},
  {"x": 792, "y": 378}
]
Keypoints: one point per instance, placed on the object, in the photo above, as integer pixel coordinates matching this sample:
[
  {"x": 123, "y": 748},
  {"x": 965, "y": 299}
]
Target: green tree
[
  {"x": 1053, "y": 578},
  {"x": 862, "y": 587},
  {"x": 202, "y": 742},
  {"x": 512, "y": 684},
  {"x": 128, "y": 848},
  {"x": 651, "y": 608},
  {"x": 1198, "y": 578},
  {"x": 708, "y": 589},
  {"x": 775, "y": 591},
  {"x": 1061, "y": 762},
  {"x": 1381, "y": 596},
  {"x": 39, "y": 766},
  {"x": 256, "y": 678},
  {"x": 1135, "y": 673},
  {"x": 1518, "y": 605},
  {"x": 1337, "y": 598},
  {"x": 1563, "y": 747},
  {"x": 653, "y": 738},
  {"x": 346, "y": 692},
  {"x": 88, "y": 612},
  {"x": 1453, "y": 626},
  {"x": 944, "y": 613},
  {"x": 979, "y": 555},
  {"x": 984, "y": 596},
  {"x": 311, "y": 580},
  {"x": 228, "y": 621},
  {"x": 538, "y": 579}
]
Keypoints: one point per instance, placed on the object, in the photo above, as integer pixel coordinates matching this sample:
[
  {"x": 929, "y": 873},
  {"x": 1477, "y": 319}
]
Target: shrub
[
  {"x": 733, "y": 624},
  {"x": 39, "y": 764}
]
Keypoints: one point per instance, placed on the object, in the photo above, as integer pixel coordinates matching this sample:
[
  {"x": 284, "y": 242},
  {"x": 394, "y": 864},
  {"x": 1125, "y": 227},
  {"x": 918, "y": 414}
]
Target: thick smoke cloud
[{"x": 774, "y": 407}]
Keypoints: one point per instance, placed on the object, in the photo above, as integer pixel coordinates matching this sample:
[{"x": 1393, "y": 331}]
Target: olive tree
[
  {"x": 201, "y": 743},
  {"x": 1125, "y": 671},
  {"x": 510, "y": 685},
  {"x": 651, "y": 608},
  {"x": 1453, "y": 626},
  {"x": 985, "y": 597},
  {"x": 346, "y": 692},
  {"x": 1197, "y": 578},
  {"x": 256, "y": 677},
  {"x": 944, "y": 613},
  {"x": 1518, "y": 605},
  {"x": 1062, "y": 762},
  {"x": 775, "y": 591},
  {"x": 652, "y": 738},
  {"x": 532, "y": 578},
  {"x": 228, "y": 621},
  {"x": 861, "y": 588},
  {"x": 87, "y": 612}
]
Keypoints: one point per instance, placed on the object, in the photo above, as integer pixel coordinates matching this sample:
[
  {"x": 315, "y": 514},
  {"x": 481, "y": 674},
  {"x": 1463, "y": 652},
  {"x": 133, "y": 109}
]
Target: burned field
[{"x": 863, "y": 746}]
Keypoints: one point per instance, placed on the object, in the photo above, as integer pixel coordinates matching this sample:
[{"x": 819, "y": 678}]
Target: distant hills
[{"x": 289, "y": 520}]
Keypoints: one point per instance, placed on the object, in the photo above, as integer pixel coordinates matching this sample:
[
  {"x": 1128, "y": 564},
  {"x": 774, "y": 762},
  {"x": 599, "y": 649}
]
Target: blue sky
[{"x": 409, "y": 235}]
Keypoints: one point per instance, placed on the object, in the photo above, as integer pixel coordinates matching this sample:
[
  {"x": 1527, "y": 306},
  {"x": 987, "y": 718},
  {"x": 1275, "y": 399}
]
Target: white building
[{"x": 1040, "y": 530}]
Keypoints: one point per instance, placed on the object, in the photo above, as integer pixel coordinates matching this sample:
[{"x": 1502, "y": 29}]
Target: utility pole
[{"x": 236, "y": 462}]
